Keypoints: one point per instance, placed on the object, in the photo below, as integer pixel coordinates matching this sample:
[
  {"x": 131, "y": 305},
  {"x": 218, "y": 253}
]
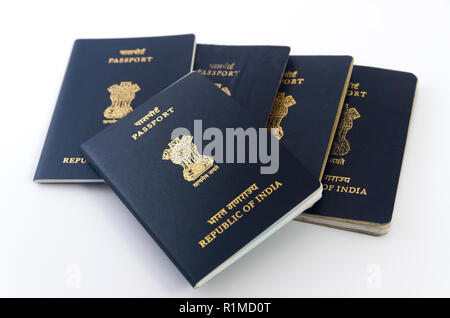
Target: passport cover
[
  {"x": 204, "y": 214},
  {"x": 104, "y": 81},
  {"x": 249, "y": 74},
  {"x": 308, "y": 105},
  {"x": 363, "y": 169}
]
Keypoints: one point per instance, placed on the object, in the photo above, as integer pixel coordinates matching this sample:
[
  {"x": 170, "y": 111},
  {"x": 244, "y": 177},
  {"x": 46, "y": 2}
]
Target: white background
[{"x": 50, "y": 235}]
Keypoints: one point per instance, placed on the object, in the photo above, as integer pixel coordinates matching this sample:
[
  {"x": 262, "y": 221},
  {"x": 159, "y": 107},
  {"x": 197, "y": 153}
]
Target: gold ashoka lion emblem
[
  {"x": 224, "y": 89},
  {"x": 182, "y": 151},
  {"x": 341, "y": 146},
  {"x": 121, "y": 97},
  {"x": 279, "y": 110}
]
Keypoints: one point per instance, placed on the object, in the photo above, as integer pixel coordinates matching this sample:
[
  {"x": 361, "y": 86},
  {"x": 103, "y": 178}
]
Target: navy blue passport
[
  {"x": 104, "y": 81},
  {"x": 308, "y": 105},
  {"x": 249, "y": 74},
  {"x": 202, "y": 212},
  {"x": 363, "y": 169}
]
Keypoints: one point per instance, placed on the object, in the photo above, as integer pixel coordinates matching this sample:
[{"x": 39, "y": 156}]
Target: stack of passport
[{"x": 213, "y": 148}]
